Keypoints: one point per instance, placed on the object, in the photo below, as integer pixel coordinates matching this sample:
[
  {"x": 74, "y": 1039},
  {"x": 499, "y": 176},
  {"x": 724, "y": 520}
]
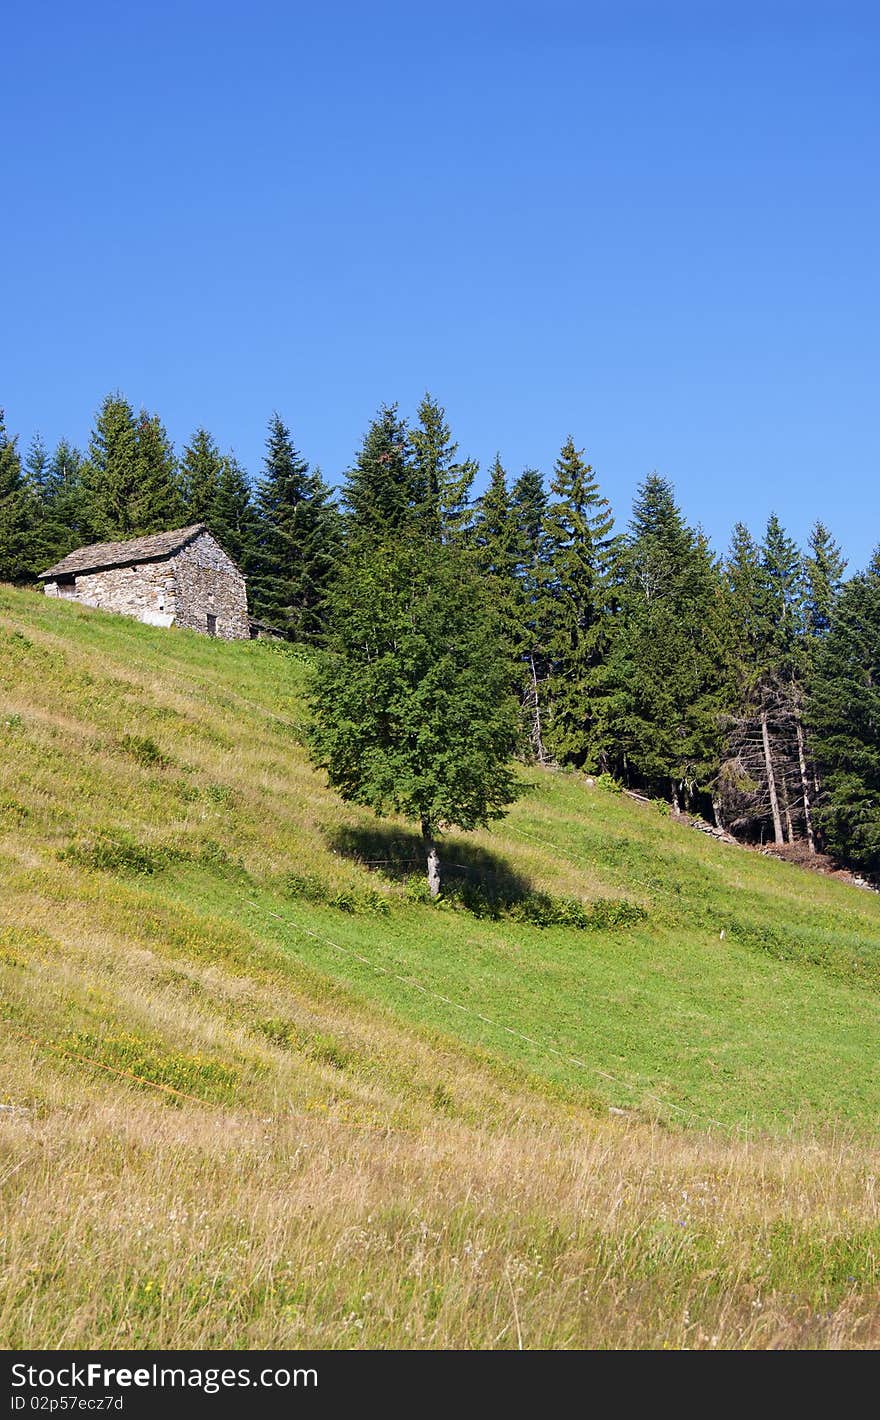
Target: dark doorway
[{"x": 212, "y": 624}]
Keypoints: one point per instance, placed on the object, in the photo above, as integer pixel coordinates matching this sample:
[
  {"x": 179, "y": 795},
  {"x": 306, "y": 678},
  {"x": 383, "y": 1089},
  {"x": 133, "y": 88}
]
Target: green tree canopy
[{"x": 412, "y": 712}]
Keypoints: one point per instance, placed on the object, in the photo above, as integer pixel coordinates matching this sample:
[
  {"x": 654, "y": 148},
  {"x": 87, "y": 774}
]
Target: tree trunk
[
  {"x": 771, "y": 780},
  {"x": 786, "y": 809},
  {"x": 433, "y": 857},
  {"x": 537, "y": 737},
  {"x": 805, "y": 782}
]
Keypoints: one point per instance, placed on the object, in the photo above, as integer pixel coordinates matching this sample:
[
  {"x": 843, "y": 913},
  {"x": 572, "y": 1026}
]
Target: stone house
[{"x": 178, "y": 578}]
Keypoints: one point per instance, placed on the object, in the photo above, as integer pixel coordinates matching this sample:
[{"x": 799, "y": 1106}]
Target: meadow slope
[{"x": 270, "y": 1096}]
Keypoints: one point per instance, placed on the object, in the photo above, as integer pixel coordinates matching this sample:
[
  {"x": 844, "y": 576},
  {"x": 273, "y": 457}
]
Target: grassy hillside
[{"x": 273, "y": 1097}]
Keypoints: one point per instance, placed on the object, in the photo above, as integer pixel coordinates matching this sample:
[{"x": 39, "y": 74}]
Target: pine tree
[
  {"x": 200, "y": 469},
  {"x": 112, "y": 471},
  {"x": 157, "y": 504},
  {"x": 412, "y": 711},
  {"x": 844, "y": 715},
  {"x": 577, "y": 611},
  {"x": 668, "y": 669},
  {"x": 386, "y": 490},
  {"x": 19, "y": 515},
  {"x": 298, "y": 540}
]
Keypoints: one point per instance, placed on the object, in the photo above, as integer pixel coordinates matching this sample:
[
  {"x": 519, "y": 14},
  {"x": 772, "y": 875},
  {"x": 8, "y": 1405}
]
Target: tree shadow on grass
[{"x": 480, "y": 879}]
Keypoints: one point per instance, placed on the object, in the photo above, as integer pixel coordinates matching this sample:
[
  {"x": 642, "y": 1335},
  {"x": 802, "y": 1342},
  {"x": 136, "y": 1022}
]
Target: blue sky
[{"x": 654, "y": 226}]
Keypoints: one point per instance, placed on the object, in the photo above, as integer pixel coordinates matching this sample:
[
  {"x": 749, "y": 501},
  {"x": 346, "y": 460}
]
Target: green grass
[
  {"x": 272, "y": 1098},
  {"x": 725, "y": 1036},
  {"x": 171, "y": 767}
]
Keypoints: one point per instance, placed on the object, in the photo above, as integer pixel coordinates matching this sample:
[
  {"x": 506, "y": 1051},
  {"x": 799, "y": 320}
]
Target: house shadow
[{"x": 483, "y": 881}]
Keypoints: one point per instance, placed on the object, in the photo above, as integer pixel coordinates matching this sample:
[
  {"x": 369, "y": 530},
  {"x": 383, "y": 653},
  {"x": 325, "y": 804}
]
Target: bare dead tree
[{"x": 764, "y": 785}]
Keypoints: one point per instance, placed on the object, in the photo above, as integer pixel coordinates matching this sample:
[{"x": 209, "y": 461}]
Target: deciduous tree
[{"x": 412, "y": 710}]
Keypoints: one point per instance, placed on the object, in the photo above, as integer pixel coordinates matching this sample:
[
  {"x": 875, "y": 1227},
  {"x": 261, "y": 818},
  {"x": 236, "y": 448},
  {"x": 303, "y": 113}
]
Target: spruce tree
[
  {"x": 112, "y": 471},
  {"x": 386, "y": 490},
  {"x": 785, "y": 593},
  {"x": 36, "y": 477},
  {"x": 37, "y": 467},
  {"x": 767, "y": 772},
  {"x": 297, "y": 539},
  {"x": 578, "y": 611},
  {"x": 234, "y": 520},
  {"x": 495, "y": 533},
  {"x": 412, "y": 711},
  {"x": 745, "y": 579},
  {"x": 844, "y": 715},
  {"x": 528, "y": 506},
  {"x": 446, "y": 478},
  {"x": 668, "y": 670},
  {"x": 157, "y": 504},
  {"x": 64, "y": 515},
  {"x": 200, "y": 470},
  {"x": 528, "y": 502},
  {"x": 743, "y": 790},
  {"x": 824, "y": 568},
  {"x": 784, "y": 676},
  {"x": 20, "y": 548},
  {"x": 495, "y": 552}
]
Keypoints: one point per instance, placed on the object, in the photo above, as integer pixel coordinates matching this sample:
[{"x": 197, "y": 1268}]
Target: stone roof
[{"x": 124, "y": 554}]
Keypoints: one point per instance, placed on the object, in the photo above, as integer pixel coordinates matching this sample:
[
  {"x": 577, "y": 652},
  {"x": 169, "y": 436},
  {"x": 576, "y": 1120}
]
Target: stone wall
[
  {"x": 147, "y": 591},
  {"x": 208, "y": 583}
]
